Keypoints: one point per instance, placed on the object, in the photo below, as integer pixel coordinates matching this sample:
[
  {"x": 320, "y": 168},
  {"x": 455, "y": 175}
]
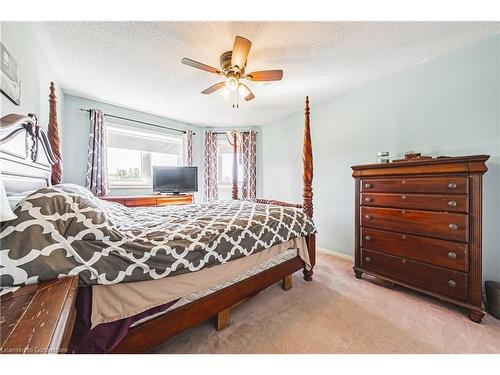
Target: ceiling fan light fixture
[
  {"x": 225, "y": 93},
  {"x": 232, "y": 83},
  {"x": 243, "y": 91}
]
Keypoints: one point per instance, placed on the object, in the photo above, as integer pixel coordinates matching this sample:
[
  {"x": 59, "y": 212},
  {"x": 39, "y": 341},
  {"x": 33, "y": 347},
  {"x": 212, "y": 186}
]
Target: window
[
  {"x": 132, "y": 153},
  {"x": 225, "y": 172},
  {"x": 124, "y": 165}
]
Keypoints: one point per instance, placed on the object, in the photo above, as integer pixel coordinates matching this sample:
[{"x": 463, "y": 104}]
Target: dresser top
[{"x": 441, "y": 165}]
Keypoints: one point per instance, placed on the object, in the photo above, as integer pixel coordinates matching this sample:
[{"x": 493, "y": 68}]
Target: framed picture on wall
[{"x": 10, "y": 84}]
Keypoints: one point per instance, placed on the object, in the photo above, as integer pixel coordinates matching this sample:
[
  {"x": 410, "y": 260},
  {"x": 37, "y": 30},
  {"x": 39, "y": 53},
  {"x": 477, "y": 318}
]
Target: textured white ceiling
[{"x": 137, "y": 64}]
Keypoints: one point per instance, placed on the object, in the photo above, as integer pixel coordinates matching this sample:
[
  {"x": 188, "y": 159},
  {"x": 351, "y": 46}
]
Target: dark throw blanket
[{"x": 104, "y": 337}]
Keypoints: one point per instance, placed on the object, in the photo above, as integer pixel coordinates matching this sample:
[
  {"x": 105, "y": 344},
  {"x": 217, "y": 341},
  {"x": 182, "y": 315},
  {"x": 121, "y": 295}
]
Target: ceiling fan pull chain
[{"x": 234, "y": 96}]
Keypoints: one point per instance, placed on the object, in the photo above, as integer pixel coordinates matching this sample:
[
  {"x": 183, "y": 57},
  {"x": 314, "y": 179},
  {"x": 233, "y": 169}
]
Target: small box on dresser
[{"x": 418, "y": 224}]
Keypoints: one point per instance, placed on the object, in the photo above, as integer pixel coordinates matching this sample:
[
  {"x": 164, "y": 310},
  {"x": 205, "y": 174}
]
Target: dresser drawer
[
  {"x": 435, "y": 279},
  {"x": 442, "y": 253},
  {"x": 444, "y": 225},
  {"x": 151, "y": 200},
  {"x": 452, "y": 185},
  {"x": 140, "y": 202},
  {"x": 174, "y": 200},
  {"x": 450, "y": 203}
]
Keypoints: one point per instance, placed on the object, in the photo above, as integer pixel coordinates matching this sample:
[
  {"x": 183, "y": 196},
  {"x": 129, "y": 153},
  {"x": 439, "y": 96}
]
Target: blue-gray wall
[
  {"x": 449, "y": 105},
  {"x": 36, "y": 74}
]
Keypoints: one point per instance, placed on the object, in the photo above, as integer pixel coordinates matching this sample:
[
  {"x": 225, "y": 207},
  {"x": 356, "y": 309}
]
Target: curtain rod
[
  {"x": 139, "y": 122},
  {"x": 256, "y": 132}
]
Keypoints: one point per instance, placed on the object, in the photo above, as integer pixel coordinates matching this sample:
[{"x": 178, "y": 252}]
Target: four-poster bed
[
  {"x": 219, "y": 303},
  {"x": 141, "y": 337}
]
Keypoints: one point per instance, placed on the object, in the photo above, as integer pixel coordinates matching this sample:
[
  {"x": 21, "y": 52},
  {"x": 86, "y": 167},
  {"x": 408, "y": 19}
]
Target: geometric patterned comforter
[{"x": 65, "y": 230}]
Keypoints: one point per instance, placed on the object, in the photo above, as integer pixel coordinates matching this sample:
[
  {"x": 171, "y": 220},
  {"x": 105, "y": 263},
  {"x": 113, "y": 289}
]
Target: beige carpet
[{"x": 338, "y": 313}]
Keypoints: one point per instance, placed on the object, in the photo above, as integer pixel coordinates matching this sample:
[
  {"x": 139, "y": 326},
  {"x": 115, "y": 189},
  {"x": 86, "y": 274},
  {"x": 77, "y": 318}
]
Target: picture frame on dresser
[{"x": 418, "y": 224}]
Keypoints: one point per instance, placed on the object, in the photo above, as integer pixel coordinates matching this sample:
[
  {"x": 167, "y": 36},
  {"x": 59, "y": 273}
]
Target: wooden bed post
[
  {"x": 53, "y": 135},
  {"x": 234, "y": 191},
  {"x": 307, "y": 160},
  {"x": 307, "y": 177}
]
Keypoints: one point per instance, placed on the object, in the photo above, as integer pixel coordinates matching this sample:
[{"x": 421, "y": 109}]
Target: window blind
[{"x": 143, "y": 141}]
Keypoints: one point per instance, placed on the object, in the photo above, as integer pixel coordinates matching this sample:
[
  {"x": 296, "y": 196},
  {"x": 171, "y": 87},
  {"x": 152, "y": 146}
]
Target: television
[{"x": 175, "y": 179}]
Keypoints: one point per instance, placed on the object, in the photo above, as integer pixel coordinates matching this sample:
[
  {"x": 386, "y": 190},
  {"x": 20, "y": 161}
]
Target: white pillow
[{"x": 15, "y": 199}]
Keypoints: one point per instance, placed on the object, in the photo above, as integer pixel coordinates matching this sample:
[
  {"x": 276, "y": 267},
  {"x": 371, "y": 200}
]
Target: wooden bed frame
[{"x": 25, "y": 169}]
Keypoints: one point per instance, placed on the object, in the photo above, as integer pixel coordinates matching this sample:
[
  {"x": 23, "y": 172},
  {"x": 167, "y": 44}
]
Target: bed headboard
[{"x": 25, "y": 154}]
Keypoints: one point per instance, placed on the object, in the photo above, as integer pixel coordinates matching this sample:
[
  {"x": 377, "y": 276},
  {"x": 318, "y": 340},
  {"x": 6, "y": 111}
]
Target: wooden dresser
[
  {"x": 418, "y": 224},
  {"x": 151, "y": 200},
  {"x": 38, "y": 318}
]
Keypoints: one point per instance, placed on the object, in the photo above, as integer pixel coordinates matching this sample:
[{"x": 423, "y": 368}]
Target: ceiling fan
[{"x": 233, "y": 64}]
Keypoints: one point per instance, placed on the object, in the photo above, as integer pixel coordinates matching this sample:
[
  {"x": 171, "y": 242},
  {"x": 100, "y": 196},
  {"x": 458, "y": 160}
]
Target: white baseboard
[{"x": 335, "y": 253}]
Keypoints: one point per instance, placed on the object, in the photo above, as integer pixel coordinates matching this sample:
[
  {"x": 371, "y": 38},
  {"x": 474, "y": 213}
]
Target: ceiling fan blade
[
  {"x": 249, "y": 97},
  {"x": 199, "y": 65},
  {"x": 265, "y": 75},
  {"x": 241, "y": 49},
  {"x": 245, "y": 92},
  {"x": 213, "y": 88}
]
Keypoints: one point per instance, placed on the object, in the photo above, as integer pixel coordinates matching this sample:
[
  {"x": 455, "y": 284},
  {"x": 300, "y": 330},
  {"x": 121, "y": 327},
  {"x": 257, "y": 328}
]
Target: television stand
[{"x": 152, "y": 200}]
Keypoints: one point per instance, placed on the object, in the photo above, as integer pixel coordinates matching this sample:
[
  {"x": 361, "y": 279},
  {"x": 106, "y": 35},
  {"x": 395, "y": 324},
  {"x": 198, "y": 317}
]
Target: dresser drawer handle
[
  {"x": 403, "y": 260},
  {"x": 368, "y": 259},
  {"x": 368, "y": 186},
  {"x": 403, "y": 181},
  {"x": 368, "y": 199},
  {"x": 452, "y": 185},
  {"x": 368, "y": 238},
  {"x": 403, "y": 197},
  {"x": 452, "y": 255},
  {"x": 403, "y": 212},
  {"x": 403, "y": 237},
  {"x": 452, "y": 203},
  {"x": 452, "y": 283},
  {"x": 453, "y": 226},
  {"x": 368, "y": 217}
]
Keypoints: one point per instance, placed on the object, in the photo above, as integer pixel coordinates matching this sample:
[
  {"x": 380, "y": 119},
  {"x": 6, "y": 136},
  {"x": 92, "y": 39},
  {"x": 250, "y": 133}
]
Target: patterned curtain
[
  {"x": 211, "y": 188},
  {"x": 97, "y": 168},
  {"x": 188, "y": 148},
  {"x": 249, "y": 157}
]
